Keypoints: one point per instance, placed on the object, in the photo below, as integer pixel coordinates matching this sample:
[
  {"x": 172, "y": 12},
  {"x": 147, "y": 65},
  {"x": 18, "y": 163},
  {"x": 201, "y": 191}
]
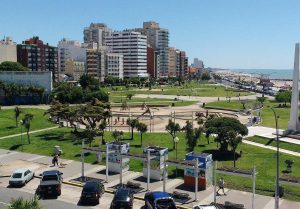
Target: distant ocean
[{"x": 273, "y": 74}]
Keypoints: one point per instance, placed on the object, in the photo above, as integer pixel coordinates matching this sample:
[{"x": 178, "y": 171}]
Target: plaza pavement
[{"x": 11, "y": 160}]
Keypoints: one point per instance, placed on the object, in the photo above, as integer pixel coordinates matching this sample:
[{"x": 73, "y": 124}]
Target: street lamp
[
  {"x": 176, "y": 140},
  {"x": 21, "y": 123},
  {"x": 277, "y": 162}
]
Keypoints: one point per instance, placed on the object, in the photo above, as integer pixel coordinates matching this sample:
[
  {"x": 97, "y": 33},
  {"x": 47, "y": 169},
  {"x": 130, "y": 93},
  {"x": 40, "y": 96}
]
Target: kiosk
[{"x": 115, "y": 158}]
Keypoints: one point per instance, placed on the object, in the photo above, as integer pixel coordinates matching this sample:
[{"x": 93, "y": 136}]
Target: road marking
[
  {"x": 36, "y": 158},
  {"x": 8, "y": 154}
]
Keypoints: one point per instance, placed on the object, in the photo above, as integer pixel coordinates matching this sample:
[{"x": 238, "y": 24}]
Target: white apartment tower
[
  {"x": 94, "y": 35},
  {"x": 69, "y": 50},
  {"x": 8, "y": 50},
  {"x": 133, "y": 46},
  {"x": 114, "y": 65}
]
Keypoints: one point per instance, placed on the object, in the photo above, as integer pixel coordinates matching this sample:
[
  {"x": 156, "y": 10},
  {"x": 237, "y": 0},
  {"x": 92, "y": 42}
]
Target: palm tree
[
  {"x": 142, "y": 128},
  {"x": 20, "y": 203},
  {"x": 133, "y": 124},
  {"x": 26, "y": 122},
  {"x": 102, "y": 127},
  {"x": 17, "y": 114},
  {"x": 117, "y": 135}
]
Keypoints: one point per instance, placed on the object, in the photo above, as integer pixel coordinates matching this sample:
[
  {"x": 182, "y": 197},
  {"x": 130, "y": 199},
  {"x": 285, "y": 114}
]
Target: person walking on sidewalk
[
  {"x": 55, "y": 160},
  {"x": 221, "y": 186}
]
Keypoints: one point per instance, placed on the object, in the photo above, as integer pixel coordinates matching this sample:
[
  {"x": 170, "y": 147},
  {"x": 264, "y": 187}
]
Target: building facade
[
  {"x": 95, "y": 63},
  {"x": 69, "y": 50},
  {"x": 114, "y": 65},
  {"x": 37, "y": 56},
  {"x": 94, "y": 35},
  {"x": 8, "y": 50},
  {"x": 158, "y": 39},
  {"x": 133, "y": 46},
  {"x": 172, "y": 62},
  {"x": 74, "y": 68}
]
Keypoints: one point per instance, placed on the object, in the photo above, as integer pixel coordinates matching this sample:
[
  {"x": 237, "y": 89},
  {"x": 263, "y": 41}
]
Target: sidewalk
[
  {"x": 13, "y": 160},
  {"x": 30, "y": 132}
]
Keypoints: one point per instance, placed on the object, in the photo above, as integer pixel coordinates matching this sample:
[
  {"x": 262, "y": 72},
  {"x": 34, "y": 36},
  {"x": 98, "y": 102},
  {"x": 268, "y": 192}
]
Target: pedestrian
[
  {"x": 55, "y": 160},
  {"x": 221, "y": 186},
  {"x": 118, "y": 119}
]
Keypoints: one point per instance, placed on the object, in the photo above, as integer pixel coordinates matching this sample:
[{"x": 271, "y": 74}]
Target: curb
[{"x": 5, "y": 176}]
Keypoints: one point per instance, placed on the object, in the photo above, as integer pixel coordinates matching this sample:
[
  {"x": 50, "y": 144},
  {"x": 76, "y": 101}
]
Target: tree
[
  {"x": 223, "y": 128},
  {"x": 20, "y": 203},
  {"x": 261, "y": 100},
  {"x": 12, "y": 66},
  {"x": 205, "y": 76},
  {"x": 17, "y": 114},
  {"x": 133, "y": 124},
  {"x": 283, "y": 96},
  {"x": 89, "y": 82},
  {"x": 92, "y": 114},
  {"x": 117, "y": 135},
  {"x": 102, "y": 127},
  {"x": 129, "y": 96},
  {"x": 26, "y": 122},
  {"x": 172, "y": 128},
  {"x": 192, "y": 135},
  {"x": 233, "y": 143},
  {"x": 142, "y": 128}
]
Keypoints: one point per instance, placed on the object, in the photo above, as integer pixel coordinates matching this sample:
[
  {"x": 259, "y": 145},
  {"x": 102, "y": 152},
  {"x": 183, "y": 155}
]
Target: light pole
[
  {"x": 176, "y": 140},
  {"x": 277, "y": 162},
  {"x": 21, "y": 123}
]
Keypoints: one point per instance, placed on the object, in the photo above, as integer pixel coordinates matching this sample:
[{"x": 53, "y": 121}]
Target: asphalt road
[{"x": 6, "y": 194}]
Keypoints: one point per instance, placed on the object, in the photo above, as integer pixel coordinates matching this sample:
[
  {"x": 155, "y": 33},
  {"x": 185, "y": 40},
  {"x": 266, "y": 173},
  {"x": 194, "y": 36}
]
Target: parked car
[
  {"x": 21, "y": 177},
  {"x": 50, "y": 183},
  {"x": 123, "y": 199},
  {"x": 204, "y": 207},
  {"x": 91, "y": 192},
  {"x": 159, "y": 200}
]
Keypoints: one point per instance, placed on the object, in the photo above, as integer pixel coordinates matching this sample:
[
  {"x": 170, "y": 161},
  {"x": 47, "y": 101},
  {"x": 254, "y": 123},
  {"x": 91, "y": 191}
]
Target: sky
[{"x": 240, "y": 34}]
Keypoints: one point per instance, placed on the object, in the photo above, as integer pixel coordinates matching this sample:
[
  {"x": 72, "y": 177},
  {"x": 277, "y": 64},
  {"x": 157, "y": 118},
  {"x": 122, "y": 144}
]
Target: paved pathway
[
  {"x": 271, "y": 148},
  {"x": 31, "y": 132}
]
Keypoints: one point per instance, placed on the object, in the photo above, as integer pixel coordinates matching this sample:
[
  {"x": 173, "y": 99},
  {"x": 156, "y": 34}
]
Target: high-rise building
[
  {"x": 69, "y": 50},
  {"x": 183, "y": 63},
  {"x": 95, "y": 34},
  {"x": 37, "y": 56},
  {"x": 198, "y": 63},
  {"x": 8, "y": 50},
  {"x": 114, "y": 65},
  {"x": 158, "y": 39},
  {"x": 75, "y": 69},
  {"x": 95, "y": 63},
  {"x": 133, "y": 46},
  {"x": 172, "y": 62}
]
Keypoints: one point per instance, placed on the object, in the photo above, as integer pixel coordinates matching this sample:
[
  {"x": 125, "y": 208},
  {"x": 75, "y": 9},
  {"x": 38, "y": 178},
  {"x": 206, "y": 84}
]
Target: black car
[
  {"x": 50, "y": 183},
  {"x": 123, "y": 199},
  {"x": 91, "y": 192},
  {"x": 159, "y": 200}
]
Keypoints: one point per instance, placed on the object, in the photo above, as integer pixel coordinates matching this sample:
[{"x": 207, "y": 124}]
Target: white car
[
  {"x": 21, "y": 177},
  {"x": 204, "y": 207}
]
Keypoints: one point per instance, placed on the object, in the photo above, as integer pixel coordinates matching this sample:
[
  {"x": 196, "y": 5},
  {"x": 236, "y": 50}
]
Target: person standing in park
[
  {"x": 221, "y": 186},
  {"x": 55, "y": 160}
]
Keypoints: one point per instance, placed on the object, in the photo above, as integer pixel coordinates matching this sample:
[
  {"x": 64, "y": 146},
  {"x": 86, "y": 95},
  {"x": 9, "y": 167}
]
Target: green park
[{"x": 209, "y": 135}]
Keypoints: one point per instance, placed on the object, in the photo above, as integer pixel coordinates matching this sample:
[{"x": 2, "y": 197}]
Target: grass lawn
[
  {"x": 193, "y": 89},
  {"x": 149, "y": 101},
  {"x": 272, "y": 142},
  {"x": 267, "y": 114},
  {"x": 263, "y": 159},
  {"x": 8, "y": 121}
]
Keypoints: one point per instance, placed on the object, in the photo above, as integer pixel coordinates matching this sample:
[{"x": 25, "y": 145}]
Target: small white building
[
  {"x": 8, "y": 50},
  {"x": 114, "y": 65}
]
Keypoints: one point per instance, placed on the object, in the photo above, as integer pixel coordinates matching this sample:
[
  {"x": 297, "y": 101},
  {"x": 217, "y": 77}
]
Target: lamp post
[
  {"x": 176, "y": 140},
  {"x": 277, "y": 161},
  {"x": 21, "y": 123}
]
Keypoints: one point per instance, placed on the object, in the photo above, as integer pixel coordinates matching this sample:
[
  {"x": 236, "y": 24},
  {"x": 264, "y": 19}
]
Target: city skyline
[{"x": 231, "y": 34}]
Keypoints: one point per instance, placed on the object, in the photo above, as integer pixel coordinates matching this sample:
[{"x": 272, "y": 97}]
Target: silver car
[{"x": 20, "y": 177}]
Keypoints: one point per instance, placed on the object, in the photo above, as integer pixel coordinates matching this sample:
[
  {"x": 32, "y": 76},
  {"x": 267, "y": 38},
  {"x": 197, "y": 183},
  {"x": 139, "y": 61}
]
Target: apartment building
[
  {"x": 69, "y": 50},
  {"x": 95, "y": 63},
  {"x": 37, "y": 56},
  {"x": 8, "y": 50},
  {"x": 75, "y": 69},
  {"x": 172, "y": 62},
  {"x": 94, "y": 35},
  {"x": 114, "y": 65},
  {"x": 133, "y": 46}
]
